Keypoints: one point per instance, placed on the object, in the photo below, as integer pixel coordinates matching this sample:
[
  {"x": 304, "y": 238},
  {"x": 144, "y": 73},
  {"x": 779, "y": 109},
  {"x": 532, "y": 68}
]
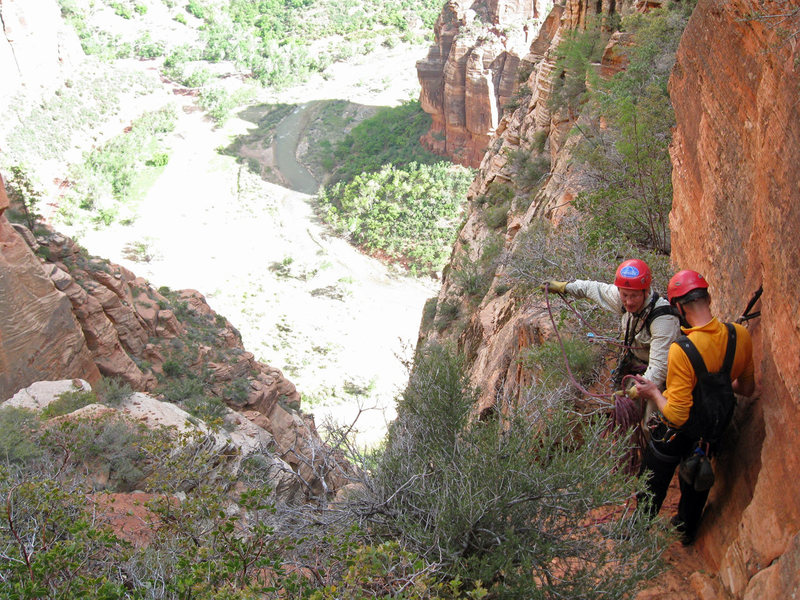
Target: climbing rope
[
  {"x": 593, "y": 335},
  {"x": 626, "y": 412}
]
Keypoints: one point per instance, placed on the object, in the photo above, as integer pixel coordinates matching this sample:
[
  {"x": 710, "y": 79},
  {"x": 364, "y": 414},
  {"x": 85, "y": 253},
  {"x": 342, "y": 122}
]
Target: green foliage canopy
[
  {"x": 408, "y": 214},
  {"x": 629, "y": 153}
]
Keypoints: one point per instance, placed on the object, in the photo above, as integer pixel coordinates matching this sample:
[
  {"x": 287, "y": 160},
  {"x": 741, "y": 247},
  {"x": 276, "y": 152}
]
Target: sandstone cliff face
[
  {"x": 38, "y": 332},
  {"x": 735, "y": 217},
  {"x": 470, "y": 72},
  {"x": 470, "y": 76},
  {"x": 503, "y": 325},
  {"x": 65, "y": 315}
]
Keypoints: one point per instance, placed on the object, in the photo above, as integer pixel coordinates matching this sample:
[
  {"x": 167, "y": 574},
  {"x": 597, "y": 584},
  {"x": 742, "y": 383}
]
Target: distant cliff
[{"x": 470, "y": 71}]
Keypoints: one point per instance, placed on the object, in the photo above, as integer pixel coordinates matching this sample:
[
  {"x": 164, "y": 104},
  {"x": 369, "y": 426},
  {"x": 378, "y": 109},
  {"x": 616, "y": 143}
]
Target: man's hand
[
  {"x": 558, "y": 287},
  {"x": 645, "y": 388}
]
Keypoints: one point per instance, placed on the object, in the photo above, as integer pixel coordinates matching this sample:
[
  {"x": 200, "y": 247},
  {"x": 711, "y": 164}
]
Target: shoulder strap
[
  {"x": 660, "y": 311},
  {"x": 698, "y": 364},
  {"x": 730, "y": 351}
]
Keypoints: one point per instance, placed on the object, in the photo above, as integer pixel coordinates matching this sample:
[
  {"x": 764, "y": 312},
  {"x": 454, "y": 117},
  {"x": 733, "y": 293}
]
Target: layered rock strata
[
  {"x": 470, "y": 72},
  {"x": 735, "y": 155},
  {"x": 476, "y": 71},
  {"x": 503, "y": 326},
  {"x": 64, "y": 314},
  {"x": 39, "y": 334}
]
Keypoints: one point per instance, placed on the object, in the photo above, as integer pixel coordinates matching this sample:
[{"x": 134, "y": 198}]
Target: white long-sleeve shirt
[{"x": 650, "y": 346}]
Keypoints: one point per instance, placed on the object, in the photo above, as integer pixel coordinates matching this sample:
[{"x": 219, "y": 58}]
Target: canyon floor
[{"x": 341, "y": 325}]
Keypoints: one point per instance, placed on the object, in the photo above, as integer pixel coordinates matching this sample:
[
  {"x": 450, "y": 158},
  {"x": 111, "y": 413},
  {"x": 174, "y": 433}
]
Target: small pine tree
[{"x": 24, "y": 194}]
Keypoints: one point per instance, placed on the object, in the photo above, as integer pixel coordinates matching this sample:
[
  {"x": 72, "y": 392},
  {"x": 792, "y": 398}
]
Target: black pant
[{"x": 660, "y": 459}]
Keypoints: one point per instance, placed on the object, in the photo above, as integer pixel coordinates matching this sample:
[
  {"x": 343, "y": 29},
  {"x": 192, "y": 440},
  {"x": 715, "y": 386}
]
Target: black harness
[
  {"x": 713, "y": 400},
  {"x": 628, "y": 363}
]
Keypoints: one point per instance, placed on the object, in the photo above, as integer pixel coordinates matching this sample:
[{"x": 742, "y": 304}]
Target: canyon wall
[
  {"x": 39, "y": 335},
  {"x": 473, "y": 71},
  {"x": 500, "y": 325},
  {"x": 736, "y": 218},
  {"x": 470, "y": 72}
]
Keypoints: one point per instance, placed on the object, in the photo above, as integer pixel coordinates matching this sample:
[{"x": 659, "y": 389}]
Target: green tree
[
  {"x": 626, "y": 139},
  {"x": 408, "y": 214},
  {"x": 24, "y": 194},
  {"x": 574, "y": 58}
]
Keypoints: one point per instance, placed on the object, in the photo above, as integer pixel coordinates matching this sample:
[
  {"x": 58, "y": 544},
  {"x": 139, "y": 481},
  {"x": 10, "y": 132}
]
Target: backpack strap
[
  {"x": 730, "y": 351},
  {"x": 660, "y": 311},
  {"x": 698, "y": 364}
]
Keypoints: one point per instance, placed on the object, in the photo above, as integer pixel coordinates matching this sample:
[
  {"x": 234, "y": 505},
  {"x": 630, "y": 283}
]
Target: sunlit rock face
[
  {"x": 36, "y": 46},
  {"x": 470, "y": 71},
  {"x": 736, "y": 218},
  {"x": 502, "y": 327},
  {"x": 39, "y": 334}
]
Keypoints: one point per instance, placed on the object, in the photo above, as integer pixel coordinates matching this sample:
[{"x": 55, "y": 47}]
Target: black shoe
[{"x": 685, "y": 536}]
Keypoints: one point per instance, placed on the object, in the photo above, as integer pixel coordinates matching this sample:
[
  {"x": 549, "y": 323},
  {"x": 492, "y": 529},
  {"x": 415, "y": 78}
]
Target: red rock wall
[
  {"x": 39, "y": 334},
  {"x": 736, "y": 218},
  {"x": 470, "y": 72}
]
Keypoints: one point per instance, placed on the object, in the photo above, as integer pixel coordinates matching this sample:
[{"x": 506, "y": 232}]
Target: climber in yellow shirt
[{"x": 696, "y": 406}]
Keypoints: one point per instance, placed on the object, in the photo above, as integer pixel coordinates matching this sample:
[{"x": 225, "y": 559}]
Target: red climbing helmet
[
  {"x": 684, "y": 282},
  {"x": 633, "y": 274}
]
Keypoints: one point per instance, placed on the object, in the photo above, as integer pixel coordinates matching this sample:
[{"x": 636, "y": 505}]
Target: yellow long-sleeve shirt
[{"x": 711, "y": 340}]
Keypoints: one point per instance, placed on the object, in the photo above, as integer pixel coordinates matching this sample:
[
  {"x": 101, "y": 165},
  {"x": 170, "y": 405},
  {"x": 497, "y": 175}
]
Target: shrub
[
  {"x": 508, "y": 500},
  {"x": 217, "y": 102},
  {"x": 24, "y": 196},
  {"x": 627, "y": 138},
  {"x": 196, "y": 9},
  {"x": 530, "y": 168},
  {"x": 18, "y": 435},
  {"x": 428, "y": 313},
  {"x": 496, "y": 217},
  {"x": 577, "y": 50},
  {"x": 447, "y": 312},
  {"x": 583, "y": 359},
  {"x": 69, "y": 402},
  {"x": 113, "y": 391}
]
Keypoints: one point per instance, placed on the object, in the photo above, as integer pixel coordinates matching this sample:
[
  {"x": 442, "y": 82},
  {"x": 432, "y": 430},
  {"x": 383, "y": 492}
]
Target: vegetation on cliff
[
  {"x": 452, "y": 508},
  {"x": 625, "y": 126}
]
